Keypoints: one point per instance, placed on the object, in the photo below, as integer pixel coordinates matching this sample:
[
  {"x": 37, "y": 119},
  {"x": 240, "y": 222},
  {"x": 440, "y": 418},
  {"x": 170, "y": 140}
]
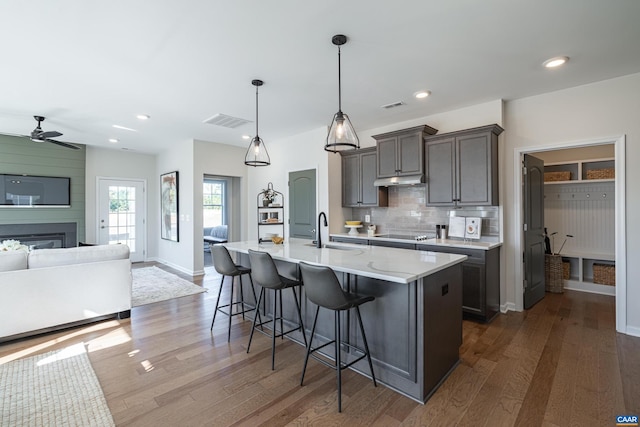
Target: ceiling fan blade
[
  {"x": 49, "y": 134},
  {"x": 62, "y": 144}
]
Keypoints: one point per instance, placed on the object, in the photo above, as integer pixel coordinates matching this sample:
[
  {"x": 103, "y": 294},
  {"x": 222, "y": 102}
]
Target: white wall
[
  {"x": 299, "y": 152},
  {"x": 596, "y": 111},
  {"x": 112, "y": 163},
  {"x": 179, "y": 255},
  {"x": 220, "y": 160}
]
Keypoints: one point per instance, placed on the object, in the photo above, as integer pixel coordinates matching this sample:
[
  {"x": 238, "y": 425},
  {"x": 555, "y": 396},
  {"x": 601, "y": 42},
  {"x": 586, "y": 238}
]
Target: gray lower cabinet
[
  {"x": 462, "y": 167},
  {"x": 359, "y": 168},
  {"x": 354, "y": 240},
  {"x": 480, "y": 280},
  {"x": 401, "y": 152},
  {"x": 385, "y": 243}
]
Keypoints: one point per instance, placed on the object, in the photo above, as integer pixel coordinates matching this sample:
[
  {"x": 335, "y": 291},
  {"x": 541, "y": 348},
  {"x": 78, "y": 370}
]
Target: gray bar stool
[
  {"x": 265, "y": 273},
  {"x": 323, "y": 289},
  {"x": 225, "y": 266}
]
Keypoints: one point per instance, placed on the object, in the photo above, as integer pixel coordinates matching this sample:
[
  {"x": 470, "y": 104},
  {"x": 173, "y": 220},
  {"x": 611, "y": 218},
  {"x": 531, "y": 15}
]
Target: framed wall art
[{"x": 169, "y": 206}]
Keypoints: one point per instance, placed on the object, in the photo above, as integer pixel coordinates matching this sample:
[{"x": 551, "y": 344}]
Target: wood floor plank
[{"x": 560, "y": 363}]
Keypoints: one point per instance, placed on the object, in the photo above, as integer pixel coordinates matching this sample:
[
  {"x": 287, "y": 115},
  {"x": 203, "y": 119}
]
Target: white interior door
[{"x": 121, "y": 215}]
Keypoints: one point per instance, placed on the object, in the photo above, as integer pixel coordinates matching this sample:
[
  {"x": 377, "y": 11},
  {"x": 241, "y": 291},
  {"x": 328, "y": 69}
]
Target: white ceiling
[{"x": 87, "y": 65}]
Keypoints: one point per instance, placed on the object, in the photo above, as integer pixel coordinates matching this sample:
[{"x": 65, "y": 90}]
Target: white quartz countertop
[
  {"x": 390, "y": 264},
  {"x": 452, "y": 243}
]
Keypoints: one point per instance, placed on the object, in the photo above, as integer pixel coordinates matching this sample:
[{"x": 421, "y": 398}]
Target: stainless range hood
[{"x": 399, "y": 180}]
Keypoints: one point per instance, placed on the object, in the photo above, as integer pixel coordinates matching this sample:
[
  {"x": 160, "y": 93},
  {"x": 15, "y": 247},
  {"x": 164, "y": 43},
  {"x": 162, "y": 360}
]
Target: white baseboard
[
  {"x": 633, "y": 331},
  {"x": 177, "y": 267},
  {"x": 510, "y": 306}
]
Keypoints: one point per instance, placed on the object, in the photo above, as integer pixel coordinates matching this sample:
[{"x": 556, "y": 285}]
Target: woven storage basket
[
  {"x": 604, "y": 274},
  {"x": 566, "y": 270},
  {"x": 557, "y": 176},
  {"x": 553, "y": 274},
  {"x": 608, "y": 173}
]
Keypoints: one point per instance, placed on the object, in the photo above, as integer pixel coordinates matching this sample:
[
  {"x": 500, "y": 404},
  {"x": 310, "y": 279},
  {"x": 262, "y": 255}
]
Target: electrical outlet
[{"x": 367, "y": 218}]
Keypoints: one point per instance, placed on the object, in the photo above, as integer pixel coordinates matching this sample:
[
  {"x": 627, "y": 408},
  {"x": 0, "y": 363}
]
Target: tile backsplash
[{"x": 407, "y": 214}]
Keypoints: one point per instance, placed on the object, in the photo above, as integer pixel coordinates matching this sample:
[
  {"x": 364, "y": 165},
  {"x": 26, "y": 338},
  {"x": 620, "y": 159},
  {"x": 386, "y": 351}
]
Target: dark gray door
[
  {"x": 302, "y": 203},
  {"x": 441, "y": 173},
  {"x": 350, "y": 180},
  {"x": 473, "y": 158},
  {"x": 533, "y": 230},
  {"x": 368, "y": 166}
]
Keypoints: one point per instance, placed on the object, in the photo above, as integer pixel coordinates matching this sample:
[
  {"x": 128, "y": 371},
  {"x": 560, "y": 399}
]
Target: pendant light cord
[
  {"x": 257, "y": 110},
  {"x": 339, "y": 83}
]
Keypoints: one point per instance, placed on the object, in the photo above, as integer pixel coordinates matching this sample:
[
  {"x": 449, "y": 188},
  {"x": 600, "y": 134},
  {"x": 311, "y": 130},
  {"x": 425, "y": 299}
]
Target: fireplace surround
[{"x": 42, "y": 235}]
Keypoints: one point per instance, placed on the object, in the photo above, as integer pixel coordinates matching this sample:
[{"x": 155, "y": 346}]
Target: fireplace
[{"x": 42, "y": 235}]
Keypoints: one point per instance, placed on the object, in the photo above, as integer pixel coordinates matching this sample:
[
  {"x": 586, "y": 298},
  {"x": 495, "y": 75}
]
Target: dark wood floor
[{"x": 560, "y": 363}]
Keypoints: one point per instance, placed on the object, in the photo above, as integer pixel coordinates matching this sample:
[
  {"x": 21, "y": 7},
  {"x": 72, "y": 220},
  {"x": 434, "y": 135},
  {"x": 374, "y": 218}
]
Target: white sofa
[{"x": 50, "y": 289}]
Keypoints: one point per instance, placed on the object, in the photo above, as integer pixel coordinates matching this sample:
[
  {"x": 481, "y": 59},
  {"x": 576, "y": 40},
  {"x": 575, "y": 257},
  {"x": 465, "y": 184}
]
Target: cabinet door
[
  {"x": 387, "y": 157},
  {"x": 440, "y": 169},
  {"x": 369, "y": 195},
  {"x": 410, "y": 154},
  {"x": 473, "y": 288},
  {"x": 473, "y": 162},
  {"x": 350, "y": 180}
]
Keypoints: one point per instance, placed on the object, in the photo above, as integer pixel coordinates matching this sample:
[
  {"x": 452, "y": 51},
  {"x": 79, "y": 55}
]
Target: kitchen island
[{"x": 414, "y": 325}]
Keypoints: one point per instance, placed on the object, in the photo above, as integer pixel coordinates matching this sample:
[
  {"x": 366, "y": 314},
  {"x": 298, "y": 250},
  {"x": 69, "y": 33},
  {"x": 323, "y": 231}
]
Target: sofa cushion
[
  {"x": 81, "y": 255},
  {"x": 216, "y": 234},
  {"x": 13, "y": 260}
]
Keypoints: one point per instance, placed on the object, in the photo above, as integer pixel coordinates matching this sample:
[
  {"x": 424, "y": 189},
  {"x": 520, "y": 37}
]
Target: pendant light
[
  {"x": 341, "y": 135},
  {"x": 257, "y": 152}
]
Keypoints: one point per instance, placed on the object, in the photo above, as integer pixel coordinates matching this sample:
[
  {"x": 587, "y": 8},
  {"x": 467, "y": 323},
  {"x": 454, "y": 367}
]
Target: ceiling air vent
[
  {"x": 393, "y": 105},
  {"x": 226, "y": 121}
]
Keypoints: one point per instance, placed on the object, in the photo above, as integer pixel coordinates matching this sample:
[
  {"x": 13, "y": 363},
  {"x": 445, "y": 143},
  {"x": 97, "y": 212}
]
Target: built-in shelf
[
  {"x": 581, "y": 171},
  {"x": 583, "y": 206},
  {"x": 270, "y": 215}
]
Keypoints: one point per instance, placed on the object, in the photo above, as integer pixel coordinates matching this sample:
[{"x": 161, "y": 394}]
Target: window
[{"x": 214, "y": 202}]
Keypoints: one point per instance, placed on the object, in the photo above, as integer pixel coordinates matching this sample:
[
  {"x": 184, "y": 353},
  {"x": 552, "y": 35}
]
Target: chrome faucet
[{"x": 319, "y": 238}]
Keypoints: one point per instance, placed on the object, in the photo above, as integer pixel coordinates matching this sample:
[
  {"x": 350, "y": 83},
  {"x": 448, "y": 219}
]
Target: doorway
[
  {"x": 122, "y": 215},
  {"x": 220, "y": 210},
  {"x": 302, "y": 204},
  {"x": 619, "y": 256}
]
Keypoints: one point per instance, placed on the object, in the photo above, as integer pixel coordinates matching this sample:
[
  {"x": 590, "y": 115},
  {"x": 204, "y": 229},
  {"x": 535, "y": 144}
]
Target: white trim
[
  {"x": 621, "y": 237},
  {"x": 633, "y": 331},
  {"x": 507, "y": 307},
  {"x": 620, "y": 224}
]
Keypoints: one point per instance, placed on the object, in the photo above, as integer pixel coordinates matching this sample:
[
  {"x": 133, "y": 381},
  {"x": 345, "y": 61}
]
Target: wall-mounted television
[{"x": 34, "y": 191}]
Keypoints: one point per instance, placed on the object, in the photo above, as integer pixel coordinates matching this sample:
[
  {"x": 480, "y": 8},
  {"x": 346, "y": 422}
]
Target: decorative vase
[{"x": 266, "y": 203}]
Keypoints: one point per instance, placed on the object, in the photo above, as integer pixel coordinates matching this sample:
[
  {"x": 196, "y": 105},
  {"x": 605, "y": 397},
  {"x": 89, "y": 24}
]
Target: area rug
[
  {"x": 58, "y": 388},
  {"x": 153, "y": 284}
]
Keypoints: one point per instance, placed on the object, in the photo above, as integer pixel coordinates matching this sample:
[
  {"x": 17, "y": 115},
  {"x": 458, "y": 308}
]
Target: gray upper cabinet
[
  {"x": 358, "y": 174},
  {"x": 401, "y": 152},
  {"x": 462, "y": 167}
]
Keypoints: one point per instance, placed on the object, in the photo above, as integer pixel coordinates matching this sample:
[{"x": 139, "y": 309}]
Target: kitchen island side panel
[{"x": 414, "y": 330}]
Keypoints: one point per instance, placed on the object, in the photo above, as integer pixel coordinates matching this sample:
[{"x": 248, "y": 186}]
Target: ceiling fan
[{"x": 38, "y": 135}]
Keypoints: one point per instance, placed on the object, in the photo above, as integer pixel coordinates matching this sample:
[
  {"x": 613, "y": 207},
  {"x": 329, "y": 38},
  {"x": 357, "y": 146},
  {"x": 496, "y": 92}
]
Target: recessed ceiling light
[
  {"x": 555, "y": 62},
  {"x": 114, "y": 140},
  {"x": 246, "y": 137},
  {"x": 143, "y": 116},
  {"x": 124, "y": 128},
  {"x": 422, "y": 94}
]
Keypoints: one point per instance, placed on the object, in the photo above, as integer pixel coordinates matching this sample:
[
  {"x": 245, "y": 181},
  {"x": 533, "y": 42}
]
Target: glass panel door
[{"x": 121, "y": 215}]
